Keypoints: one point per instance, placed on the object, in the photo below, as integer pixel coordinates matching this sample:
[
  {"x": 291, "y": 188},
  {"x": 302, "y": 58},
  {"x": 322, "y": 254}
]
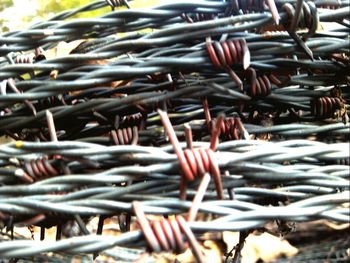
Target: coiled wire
[
  {"x": 259, "y": 86},
  {"x": 167, "y": 234},
  {"x": 327, "y": 107},
  {"x": 127, "y": 130},
  {"x": 231, "y": 129},
  {"x": 117, "y": 3},
  {"x": 40, "y": 168},
  {"x": 197, "y": 17}
]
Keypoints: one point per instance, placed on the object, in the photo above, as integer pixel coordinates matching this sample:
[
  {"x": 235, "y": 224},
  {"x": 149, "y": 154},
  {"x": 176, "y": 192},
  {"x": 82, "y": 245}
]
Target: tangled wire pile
[{"x": 236, "y": 111}]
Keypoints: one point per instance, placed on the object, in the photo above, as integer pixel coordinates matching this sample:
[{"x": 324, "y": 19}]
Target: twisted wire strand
[
  {"x": 281, "y": 96},
  {"x": 268, "y": 44},
  {"x": 81, "y": 244},
  {"x": 277, "y": 154},
  {"x": 51, "y": 34},
  {"x": 289, "y": 91},
  {"x": 276, "y": 62},
  {"x": 93, "y": 206},
  {"x": 76, "y": 148}
]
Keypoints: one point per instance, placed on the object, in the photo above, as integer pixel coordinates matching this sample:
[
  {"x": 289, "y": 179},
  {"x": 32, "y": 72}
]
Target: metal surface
[{"x": 233, "y": 110}]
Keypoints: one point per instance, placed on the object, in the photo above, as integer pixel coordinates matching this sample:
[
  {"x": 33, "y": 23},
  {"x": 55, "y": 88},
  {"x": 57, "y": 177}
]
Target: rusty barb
[
  {"x": 167, "y": 234},
  {"x": 207, "y": 116},
  {"x": 196, "y": 162}
]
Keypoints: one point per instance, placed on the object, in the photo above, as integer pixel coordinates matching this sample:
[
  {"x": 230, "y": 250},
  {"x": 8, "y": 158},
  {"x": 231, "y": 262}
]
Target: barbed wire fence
[{"x": 236, "y": 110}]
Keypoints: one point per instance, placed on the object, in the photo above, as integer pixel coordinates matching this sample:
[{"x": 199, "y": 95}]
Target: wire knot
[
  {"x": 228, "y": 53},
  {"x": 40, "y": 168},
  {"x": 30, "y": 58},
  {"x": 260, "y": 86},
  {"x": 117, "y": 3},
  {"x": 328, "y": 107},
  {"x": 167, "y": 234},
  {"x": 127, "y": 130},
  {"x": 197, "y": 17},
  {"x": 300, "y": 17},
  {"x": 230, "y": 129},
  {"x": 200, "y": 161}
]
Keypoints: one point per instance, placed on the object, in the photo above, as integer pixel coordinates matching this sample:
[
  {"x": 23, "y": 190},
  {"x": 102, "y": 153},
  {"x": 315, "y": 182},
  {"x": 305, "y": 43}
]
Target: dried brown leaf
[{"x": 264, "y": 247}]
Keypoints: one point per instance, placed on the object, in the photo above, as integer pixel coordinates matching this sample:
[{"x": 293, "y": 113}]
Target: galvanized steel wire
[{"x": 88, "y": 140}]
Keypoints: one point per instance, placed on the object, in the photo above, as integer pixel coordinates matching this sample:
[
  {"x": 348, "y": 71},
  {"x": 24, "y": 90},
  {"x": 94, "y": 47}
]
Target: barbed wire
[
  {"x": 243, "y": 219},
  {"x": 237, "y": 110}
]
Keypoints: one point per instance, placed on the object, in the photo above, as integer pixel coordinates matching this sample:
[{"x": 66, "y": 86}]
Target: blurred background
[{"x": 19, "y": 14}]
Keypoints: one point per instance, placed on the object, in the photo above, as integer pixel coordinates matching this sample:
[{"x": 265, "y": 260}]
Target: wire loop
[
  {"x": 230, "y": 129},
  {"x": 126, "y": 132},
  {"x": 197, "y": 17},
  {"x": 40, "y": 168},
  {"x": 259, "y": 86},
  {"x": 30, "y": 58},
  {"x": 327, "y": 107},
  {"x": 308, "y": 17},
  {"x": 117, "y": 3},
  {"x": 167, "y": 234},
  {"x": 227, "y": 53}
]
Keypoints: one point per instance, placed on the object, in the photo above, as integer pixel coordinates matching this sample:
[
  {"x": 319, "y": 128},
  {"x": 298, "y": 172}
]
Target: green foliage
[
  {"x": 5, "y": 4},
  {"x": 50, "y": 7}
]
